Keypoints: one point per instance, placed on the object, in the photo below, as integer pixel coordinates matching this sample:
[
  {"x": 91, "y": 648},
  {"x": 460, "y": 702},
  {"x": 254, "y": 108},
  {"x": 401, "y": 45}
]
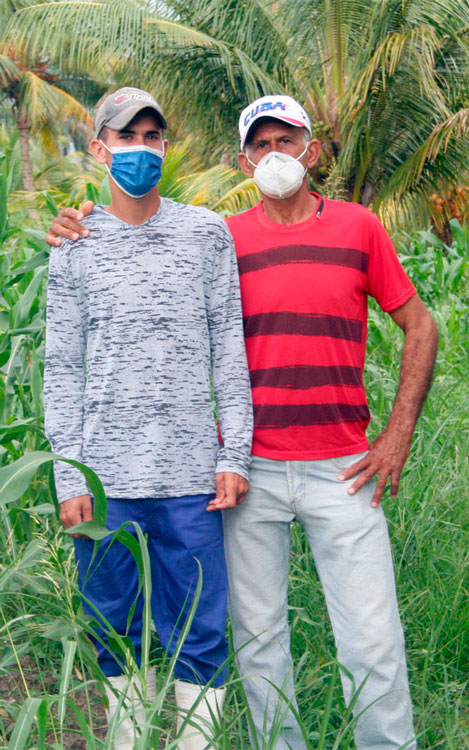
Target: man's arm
[
  {"x": 67, "y": 224},
  {"x": 64, "y": 387},
  {"x": 389, "y": 452},
  {"x": 230, "y": 376}
]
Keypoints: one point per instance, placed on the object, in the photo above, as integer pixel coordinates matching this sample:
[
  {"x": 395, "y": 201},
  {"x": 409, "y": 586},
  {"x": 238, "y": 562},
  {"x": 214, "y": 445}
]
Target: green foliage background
[
  {"x": 387, "y": 85},
  {"x": 51, "y": 684}
]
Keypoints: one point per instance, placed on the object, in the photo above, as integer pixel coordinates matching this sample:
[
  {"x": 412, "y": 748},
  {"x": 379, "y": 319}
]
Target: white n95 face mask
[{"x": 279, "y": 175}]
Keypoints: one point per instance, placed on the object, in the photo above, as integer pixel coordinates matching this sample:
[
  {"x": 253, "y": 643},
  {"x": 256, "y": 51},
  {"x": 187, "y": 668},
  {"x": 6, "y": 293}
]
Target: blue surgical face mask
[{"x": 135, "y": 169}]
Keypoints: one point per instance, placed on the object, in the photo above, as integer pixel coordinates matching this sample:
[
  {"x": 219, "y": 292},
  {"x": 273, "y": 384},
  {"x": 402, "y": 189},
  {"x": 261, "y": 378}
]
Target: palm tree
[
  {"x": 388, "y": 85},
  {"x": 28, "y": 87},
  {"x": 201, "y": 59},
  {"x": 386, "y": 81}
]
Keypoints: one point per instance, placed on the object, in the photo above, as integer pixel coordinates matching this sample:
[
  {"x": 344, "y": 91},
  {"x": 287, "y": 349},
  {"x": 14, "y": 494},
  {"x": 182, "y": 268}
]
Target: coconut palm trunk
[
  {"x": 26, "y": 171},
  {"x": 22, "y": 124}
]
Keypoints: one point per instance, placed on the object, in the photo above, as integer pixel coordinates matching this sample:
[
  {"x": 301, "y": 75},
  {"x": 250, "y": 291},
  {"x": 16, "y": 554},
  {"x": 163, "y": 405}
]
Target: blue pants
[{"x": 178, "y": 530}]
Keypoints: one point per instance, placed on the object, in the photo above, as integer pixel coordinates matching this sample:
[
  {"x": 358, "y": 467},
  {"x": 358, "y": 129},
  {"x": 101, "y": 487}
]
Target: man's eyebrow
[{"x": 131, "y": 131}]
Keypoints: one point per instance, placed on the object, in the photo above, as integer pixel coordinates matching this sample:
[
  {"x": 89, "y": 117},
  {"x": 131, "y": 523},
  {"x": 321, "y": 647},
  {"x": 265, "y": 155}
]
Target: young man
[
  {"x": 307, "y": 265},
  {"x": 141, "y": 315}
]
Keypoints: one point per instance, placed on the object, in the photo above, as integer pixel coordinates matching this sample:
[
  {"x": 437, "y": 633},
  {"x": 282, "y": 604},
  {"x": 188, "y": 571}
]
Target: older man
[{"x": 307, "y": 265}]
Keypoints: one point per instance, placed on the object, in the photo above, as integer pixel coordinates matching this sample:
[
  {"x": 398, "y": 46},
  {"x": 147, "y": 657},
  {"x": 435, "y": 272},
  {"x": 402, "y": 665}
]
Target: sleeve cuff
[{"x": 225, "y": 464}]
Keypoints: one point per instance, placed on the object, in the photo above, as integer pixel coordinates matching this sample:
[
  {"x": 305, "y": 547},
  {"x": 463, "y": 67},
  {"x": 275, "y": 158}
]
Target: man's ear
[
  {"x": 314, "y": 149},
  {"x": 165, "y": 147},
  {"x": 245, "y": 165},
  {"x": 99, "y": 151}
]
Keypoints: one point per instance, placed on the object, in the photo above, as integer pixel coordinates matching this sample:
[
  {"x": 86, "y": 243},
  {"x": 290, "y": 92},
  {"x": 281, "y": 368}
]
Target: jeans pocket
[{"x": 343, "y": 462}]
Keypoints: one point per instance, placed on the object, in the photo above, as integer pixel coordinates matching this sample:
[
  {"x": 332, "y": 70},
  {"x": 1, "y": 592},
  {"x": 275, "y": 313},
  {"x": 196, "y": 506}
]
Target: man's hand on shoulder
[
  {"x": 386, "y": 458},
  {"x": 231, "y": 491},
  {"x": 76, "y": 510},
  {"x": 67, "y": 224}
]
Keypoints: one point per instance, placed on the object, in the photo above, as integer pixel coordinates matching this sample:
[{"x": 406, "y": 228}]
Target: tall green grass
[{"x": 50, "y": 685}]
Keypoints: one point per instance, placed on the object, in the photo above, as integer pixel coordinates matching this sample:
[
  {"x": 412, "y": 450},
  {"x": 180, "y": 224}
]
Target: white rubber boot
[
  {"x": 150, "y": 693},
  {"x": 199, "y": 728},
  {"x": 129, "y": 695}
]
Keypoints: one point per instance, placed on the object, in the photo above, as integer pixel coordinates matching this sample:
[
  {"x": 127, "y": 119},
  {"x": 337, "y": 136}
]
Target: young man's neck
[
  {"x": 133, "y": 210},
  {"x": 298, "y": 207}
]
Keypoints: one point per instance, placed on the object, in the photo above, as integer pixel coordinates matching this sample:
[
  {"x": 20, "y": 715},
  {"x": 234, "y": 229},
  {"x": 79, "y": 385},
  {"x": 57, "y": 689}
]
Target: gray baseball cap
[{"x": 119, "y": 108}]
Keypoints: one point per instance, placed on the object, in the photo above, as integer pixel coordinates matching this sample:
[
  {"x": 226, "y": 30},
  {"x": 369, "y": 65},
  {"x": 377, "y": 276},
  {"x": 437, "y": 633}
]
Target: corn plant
[{"x": 51, "y": 693}]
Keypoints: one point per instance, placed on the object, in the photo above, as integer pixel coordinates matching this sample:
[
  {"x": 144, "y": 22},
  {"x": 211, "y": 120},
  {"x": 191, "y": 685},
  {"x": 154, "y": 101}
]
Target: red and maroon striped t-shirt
[{"x": 304, "y": 290}]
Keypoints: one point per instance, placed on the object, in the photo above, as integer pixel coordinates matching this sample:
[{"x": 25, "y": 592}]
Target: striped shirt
[
  {"x": 304, "y": 291},
  {"x": 141, "y": 320}
]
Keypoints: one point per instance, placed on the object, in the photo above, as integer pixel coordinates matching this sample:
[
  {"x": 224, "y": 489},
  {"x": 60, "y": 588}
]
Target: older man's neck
[{"x": 293, "y": 210}]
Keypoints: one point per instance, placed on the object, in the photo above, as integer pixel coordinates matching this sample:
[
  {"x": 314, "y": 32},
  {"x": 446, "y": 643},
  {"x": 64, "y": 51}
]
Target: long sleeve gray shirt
[{"x": 139, "y": 319}]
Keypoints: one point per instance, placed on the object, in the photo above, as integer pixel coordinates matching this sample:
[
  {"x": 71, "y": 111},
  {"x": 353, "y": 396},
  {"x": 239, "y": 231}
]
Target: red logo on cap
[{"x": 120, "y": 99}]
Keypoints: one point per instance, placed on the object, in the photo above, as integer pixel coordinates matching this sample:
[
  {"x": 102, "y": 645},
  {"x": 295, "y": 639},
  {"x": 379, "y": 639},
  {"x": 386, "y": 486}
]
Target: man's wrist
[
  {"x": 83, "y": 492},
  {"x": 225, "y": 468}
]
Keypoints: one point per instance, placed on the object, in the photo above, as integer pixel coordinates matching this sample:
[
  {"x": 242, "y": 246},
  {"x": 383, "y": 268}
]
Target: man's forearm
[
  {"x": 64, "y": 378},
  {"x": 389, "y": 452},
  {"x": 418, "y": 361},
  {"x": 229, "y": 365}
]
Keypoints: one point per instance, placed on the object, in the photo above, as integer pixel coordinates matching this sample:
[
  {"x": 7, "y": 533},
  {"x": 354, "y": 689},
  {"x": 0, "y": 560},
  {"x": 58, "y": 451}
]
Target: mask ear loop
[
  {"x": 251, "y": 162},
  {"x": 301, "y": 155},
  {"x": 107, "y": 168}
]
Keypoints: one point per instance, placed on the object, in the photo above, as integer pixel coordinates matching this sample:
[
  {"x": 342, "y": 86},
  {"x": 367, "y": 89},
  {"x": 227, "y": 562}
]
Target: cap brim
[
  {"x": 274, "y": 116},
  {"x": 123, "y": 118}
]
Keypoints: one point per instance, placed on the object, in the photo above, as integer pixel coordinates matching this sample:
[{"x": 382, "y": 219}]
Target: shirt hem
[
  {"x": 158, "y": 492},
  {"x": 348, "y": 450}
]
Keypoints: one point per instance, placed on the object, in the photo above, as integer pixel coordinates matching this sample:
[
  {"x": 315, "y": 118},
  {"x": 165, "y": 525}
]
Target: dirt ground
[{"x": 13, "y": 692}]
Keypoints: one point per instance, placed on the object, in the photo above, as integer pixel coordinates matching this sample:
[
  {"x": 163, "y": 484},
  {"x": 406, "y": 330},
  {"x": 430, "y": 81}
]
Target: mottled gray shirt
[{"x": 139, "y": 318}]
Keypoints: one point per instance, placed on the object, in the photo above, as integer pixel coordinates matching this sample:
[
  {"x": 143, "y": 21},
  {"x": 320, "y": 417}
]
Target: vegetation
[
  {"x": 38, "y": 105},
  {"x": 386, "y": 83},
  {"x": 50, "y": 684}
]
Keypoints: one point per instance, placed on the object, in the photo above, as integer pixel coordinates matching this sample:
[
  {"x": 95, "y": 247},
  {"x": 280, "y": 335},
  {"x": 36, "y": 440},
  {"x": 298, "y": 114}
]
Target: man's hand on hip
[
  {"x": 231, "y": 491},
  {"x": 66, "y": 224},
  {"x": 76, "y": 510},
  {"x": 386, "y": 458}
]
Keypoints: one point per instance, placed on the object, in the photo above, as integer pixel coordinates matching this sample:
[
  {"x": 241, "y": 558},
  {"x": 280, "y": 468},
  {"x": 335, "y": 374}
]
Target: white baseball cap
[{"x": 277, "y": 106}]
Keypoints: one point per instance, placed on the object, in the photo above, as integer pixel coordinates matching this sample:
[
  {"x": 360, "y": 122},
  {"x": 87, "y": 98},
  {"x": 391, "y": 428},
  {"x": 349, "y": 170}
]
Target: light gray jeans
[{"x": 350, "y": 546}]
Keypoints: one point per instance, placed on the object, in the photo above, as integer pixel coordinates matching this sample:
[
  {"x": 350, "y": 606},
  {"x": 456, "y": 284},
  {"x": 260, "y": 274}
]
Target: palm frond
[
  {"x": 239, "y": 198},
  {"x": 455, "y": 126},
  {"x": 43, "y": 102},
  {"x": 446, "y": 147},
  {"x": 420, "y": 43},
  {"x": 218, "y": 64},
  {"x": 9, "y": 71}
]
